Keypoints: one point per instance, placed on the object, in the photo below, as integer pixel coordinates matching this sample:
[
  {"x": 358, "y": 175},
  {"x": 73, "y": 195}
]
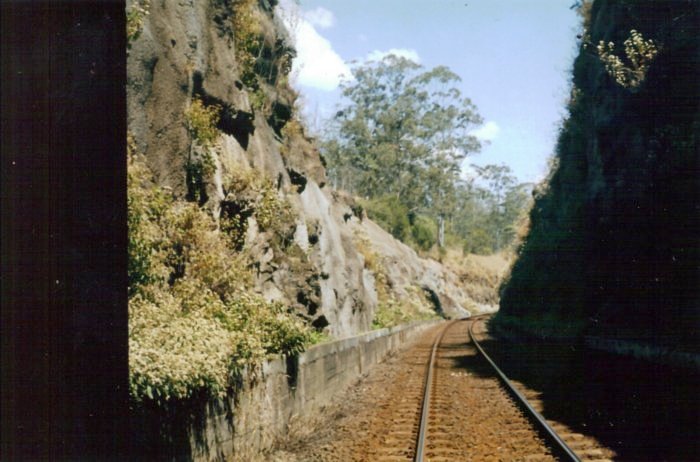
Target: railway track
[
  {"x": 441, "y": 400},
  {"x": 433, "y": 439},
  {"x": 585, "y": 448}
]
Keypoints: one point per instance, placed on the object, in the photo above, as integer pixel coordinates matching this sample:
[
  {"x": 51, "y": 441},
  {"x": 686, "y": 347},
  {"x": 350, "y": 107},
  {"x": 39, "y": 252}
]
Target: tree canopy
[
  {"x": 403, "y": 132},
  {"x": 400, "y": 139}
]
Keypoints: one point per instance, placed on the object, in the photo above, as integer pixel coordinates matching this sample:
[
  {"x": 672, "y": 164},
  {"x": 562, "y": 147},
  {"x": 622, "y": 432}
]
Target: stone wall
[
  {"x": 646, "y": 351},
  {"x": 267, "y": 401}
]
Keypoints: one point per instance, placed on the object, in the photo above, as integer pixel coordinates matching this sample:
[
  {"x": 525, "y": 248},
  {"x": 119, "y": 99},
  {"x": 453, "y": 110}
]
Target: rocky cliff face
[
  {"x": 613, "y": 245},
  {"x": 410, "y": 277},
  {"x": 190, "y": 51}
]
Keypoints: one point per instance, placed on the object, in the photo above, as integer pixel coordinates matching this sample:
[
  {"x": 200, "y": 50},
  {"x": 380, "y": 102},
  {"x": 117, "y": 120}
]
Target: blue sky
[{"x": 514, "y": 58}]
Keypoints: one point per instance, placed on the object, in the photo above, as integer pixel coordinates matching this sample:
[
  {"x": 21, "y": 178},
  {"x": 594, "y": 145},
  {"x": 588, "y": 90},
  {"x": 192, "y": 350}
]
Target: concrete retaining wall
[
  {"x": 644, "y": 351},
  {"x": 268, "y": 399}
]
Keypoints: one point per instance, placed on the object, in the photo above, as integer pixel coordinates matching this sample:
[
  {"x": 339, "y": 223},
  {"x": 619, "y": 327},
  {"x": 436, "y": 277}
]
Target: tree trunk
[{"x": 441, "y": 231}]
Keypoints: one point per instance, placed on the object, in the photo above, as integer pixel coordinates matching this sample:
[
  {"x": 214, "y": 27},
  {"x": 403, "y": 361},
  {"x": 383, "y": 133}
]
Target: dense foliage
[
  {"x": 400, "y": 141},
  {"x": 491, "y": 209},
  {"x": 403, "y": 132},
  {"x": 202, "y": 121},
  {"x": 136, "y": 14},
  {"x": 193, "y": 319}
]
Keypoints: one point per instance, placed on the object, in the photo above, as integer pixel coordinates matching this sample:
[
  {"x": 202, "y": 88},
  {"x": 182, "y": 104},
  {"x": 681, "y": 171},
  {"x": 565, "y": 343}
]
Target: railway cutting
[{"x": 438, "y": 400}]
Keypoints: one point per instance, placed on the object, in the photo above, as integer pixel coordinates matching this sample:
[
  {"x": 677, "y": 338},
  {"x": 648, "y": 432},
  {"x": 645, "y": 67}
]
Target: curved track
[
  {"x": 440, "y": 400},
  {"x": 434, "y": 442},
  {"x": 427, "y": 392}
]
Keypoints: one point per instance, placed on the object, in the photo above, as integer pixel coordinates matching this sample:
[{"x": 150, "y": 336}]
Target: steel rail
[
  {"x": 560, "y": 448},
  {"x": 427, "y": 389}
]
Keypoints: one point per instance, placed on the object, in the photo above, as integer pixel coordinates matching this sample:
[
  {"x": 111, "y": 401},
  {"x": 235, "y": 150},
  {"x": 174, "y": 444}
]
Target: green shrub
[
  {"x": 272, "y": 210},
  {"x": 257, "y": 99},
  {"x": 198, "y": 171},
  {"x": 202, "y": 121},
  {"x": 478, "y": 241},
  {"x": 234, "y": 228},
  {"x": 260, "y": 196},
  {"x": 193, "y": 319},
  {"x": 391, "y": 310},
  {"x": 424, "y": 232},
  {"x": 389, "y": 314},
  {"x": 202, "y": 124},
  {"x": 639, "y": 54},
  {"x": 146, "y": 207},
  {"x": 318, "y": 337},
  {"x": 389, "y": 213},
  {"x": 247, "y": 40}
]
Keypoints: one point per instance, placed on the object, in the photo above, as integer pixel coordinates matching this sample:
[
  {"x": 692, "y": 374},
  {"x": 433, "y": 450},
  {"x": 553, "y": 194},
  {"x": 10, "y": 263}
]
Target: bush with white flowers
[{"x": 639, "y": 55}]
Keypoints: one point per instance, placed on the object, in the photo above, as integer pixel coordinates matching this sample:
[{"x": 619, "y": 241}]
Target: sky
[{"x": 513, "y": 56}]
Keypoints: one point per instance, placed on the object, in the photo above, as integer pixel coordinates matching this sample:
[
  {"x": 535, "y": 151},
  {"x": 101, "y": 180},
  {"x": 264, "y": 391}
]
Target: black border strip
[{"x": 64, "y": 312}]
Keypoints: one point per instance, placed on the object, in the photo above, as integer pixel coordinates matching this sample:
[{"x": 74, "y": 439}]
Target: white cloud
[
  {"x": 378, "y": 55},
  {"x": 317, "y": 64},
  {"x": 320, "y": 17},
  {"x": 487, "y": 132}
]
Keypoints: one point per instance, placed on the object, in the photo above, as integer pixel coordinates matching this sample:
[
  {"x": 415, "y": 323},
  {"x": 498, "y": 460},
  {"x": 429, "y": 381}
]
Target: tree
[
  {"x": 499, "y": 180},
  {"x": 489, "y": 208},
  {"x": 402, "y": 132},
  {"x": 399, "y": 141}
]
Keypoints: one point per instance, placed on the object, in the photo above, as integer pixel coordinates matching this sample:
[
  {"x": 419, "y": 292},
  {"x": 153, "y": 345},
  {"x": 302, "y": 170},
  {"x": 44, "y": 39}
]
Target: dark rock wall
[{"x": 614, "y": 244}]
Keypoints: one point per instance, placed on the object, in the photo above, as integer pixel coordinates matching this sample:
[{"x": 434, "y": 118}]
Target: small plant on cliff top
[
  {"x": 247, "y": 40},
  {"x": 639, "y": 54}
]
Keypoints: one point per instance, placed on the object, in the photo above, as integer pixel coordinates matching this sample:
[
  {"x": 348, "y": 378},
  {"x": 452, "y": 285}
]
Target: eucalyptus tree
[
  {"x": 402, "y": 131},
  {"x": 505, "y": 201}
]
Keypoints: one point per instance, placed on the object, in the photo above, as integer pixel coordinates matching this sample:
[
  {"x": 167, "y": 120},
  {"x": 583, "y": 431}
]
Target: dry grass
[{"x": 480, "y": 275}]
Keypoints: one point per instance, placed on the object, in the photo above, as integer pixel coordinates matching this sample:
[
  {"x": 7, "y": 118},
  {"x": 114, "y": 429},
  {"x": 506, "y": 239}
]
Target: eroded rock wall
[{"x": 186, "y": 51}]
